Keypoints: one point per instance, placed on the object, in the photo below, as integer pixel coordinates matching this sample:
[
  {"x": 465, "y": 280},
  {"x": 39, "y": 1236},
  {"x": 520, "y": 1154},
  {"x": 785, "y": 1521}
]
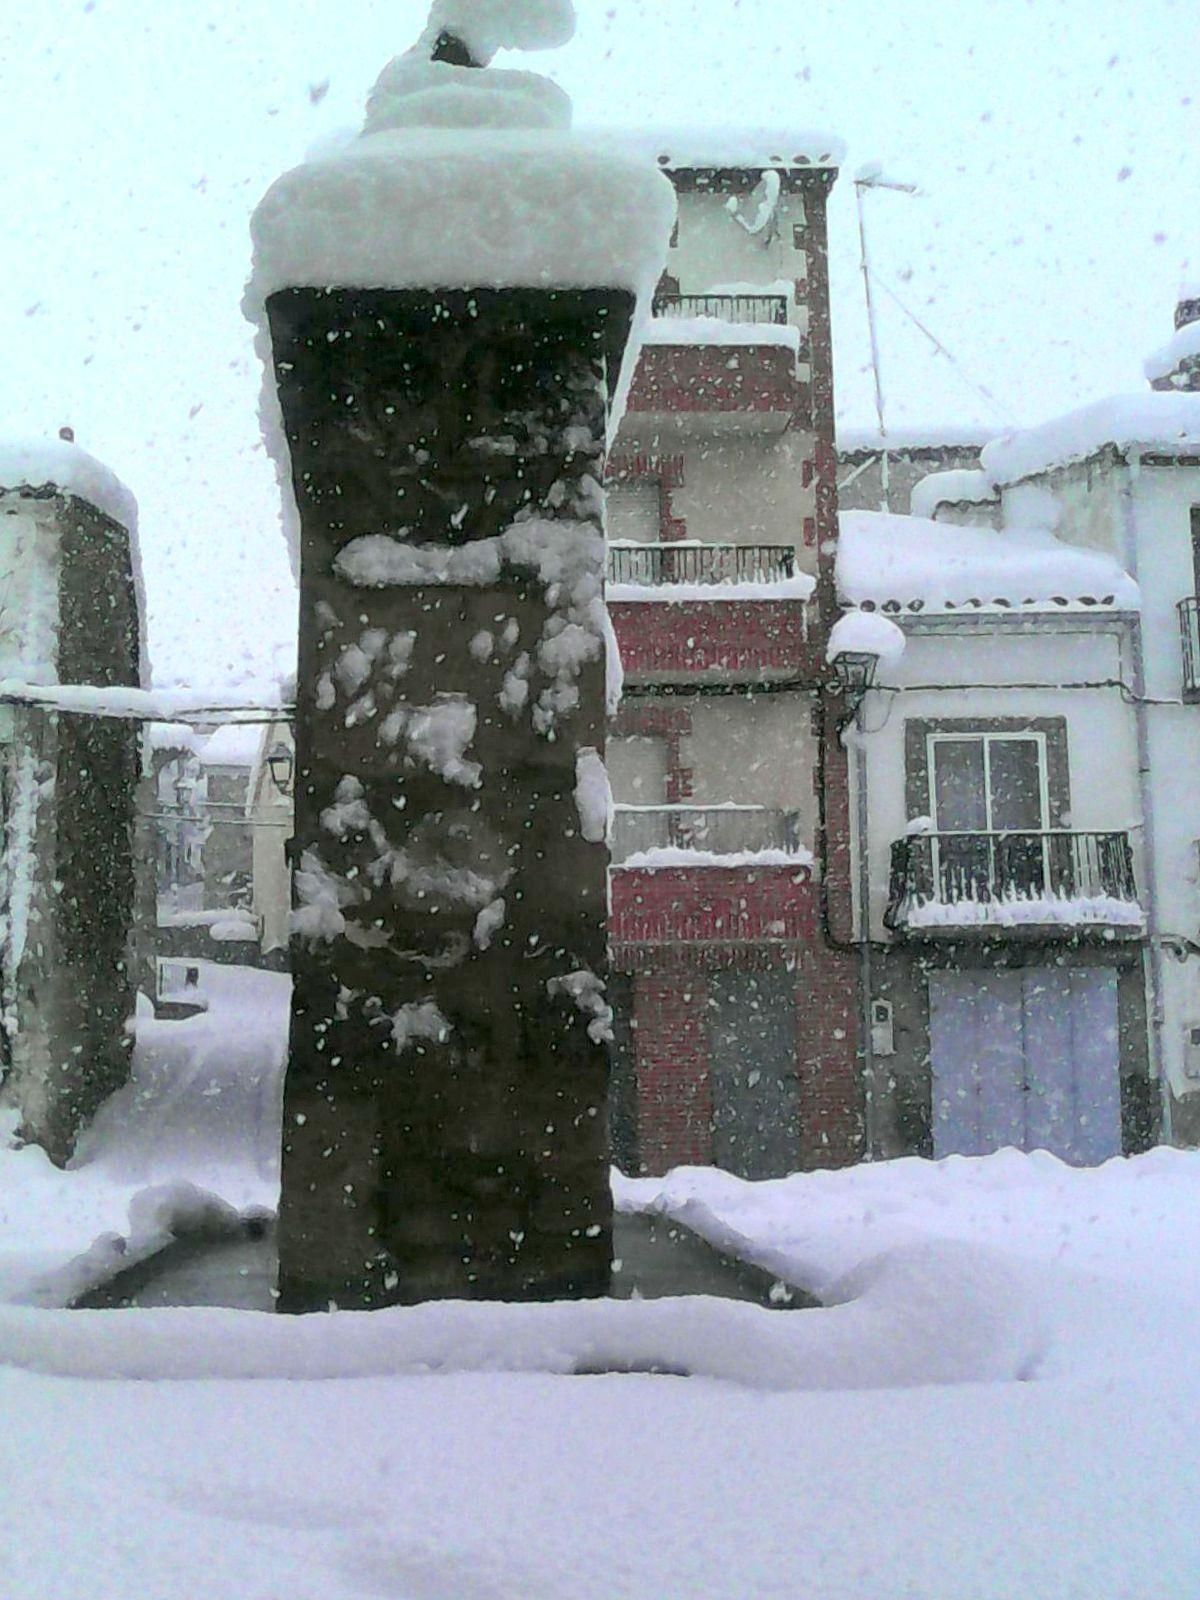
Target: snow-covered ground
[{"x": 832, "y": 1459}]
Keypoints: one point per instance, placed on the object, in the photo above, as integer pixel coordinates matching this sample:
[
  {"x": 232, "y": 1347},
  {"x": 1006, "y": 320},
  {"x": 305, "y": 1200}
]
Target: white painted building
[
  {"x": 1124, "y": 476},
  {"x": 1000, "y": 851}
]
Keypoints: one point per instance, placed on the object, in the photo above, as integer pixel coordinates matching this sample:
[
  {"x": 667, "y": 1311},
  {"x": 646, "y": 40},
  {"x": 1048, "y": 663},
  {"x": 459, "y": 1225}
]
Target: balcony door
[{"x": 983, "y": 785}]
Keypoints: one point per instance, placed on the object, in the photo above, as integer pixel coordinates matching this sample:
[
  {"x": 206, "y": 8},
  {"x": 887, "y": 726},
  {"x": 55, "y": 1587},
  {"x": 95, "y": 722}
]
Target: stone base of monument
[{"x": 655, "y": 1258}]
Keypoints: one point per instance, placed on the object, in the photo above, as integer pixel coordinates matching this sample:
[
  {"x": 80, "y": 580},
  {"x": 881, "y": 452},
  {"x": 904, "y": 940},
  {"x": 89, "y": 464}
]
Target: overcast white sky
[{"x": 1055, "y": 141}]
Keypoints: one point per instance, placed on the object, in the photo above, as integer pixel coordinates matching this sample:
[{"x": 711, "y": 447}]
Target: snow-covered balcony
[
  {"x": 705, "y": 364},
  {"x": 718, "y": 876},
  {"x": 697, "y": 836},
  {"x": 692, "y": 561},
  {"x": 1189, "y": 639},
  {"x": 736, "y": 308},
  {"x": 1056, "y": 883}
]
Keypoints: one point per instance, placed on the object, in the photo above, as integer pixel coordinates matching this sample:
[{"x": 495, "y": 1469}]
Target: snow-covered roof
[
  {"x": 1184, "y": 345},
  {"x": 234, "y": 744},
  {"x": 913, "y": 564},
  {"x": 702, "y": 149},
  {"x": 1155, "y": 421},
  {"x": 957, "y": 486},
  {"x": 57, "y": 463},
  {"x": 913, "y": 436}
]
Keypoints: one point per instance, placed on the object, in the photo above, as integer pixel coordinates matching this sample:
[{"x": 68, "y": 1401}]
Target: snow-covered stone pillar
[{"x": 446, "y": 304}]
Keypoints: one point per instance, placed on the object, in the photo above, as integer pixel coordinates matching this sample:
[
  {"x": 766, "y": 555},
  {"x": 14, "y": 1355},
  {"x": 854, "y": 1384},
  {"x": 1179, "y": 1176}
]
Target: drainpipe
[
  {"x": 1146, "y": 796},
  {"x": 865, "y": 981}
]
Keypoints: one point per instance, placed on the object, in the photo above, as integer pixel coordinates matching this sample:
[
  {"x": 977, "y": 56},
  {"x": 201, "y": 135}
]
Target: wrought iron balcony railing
[
  {"x": 724, "y": 307},
  {"x": 711, "y": 830},
  {"x": 1061, "y": 878},
  {"x": 648, "y": 565},
  {"x": 1189, "y": 638}
]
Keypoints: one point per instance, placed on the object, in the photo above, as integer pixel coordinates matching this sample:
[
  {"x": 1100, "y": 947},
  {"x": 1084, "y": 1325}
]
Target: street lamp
[{"x": 855, "y": 673}]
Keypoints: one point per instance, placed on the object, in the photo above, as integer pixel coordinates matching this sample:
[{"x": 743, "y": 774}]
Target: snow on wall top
[
  {"x": 935, "y": 567},
  {"x": 1184, "y": 344},
  {"x": 1158, "y": 421},
  {"x": 62, "y": 465},
  {"x": 173, "y": 736},
  {"x": 57, "y": 463},
  {"x": 958, "y": 486},
  {"x": 233, "y": 744},
  {"x": 699, "y": 149}
]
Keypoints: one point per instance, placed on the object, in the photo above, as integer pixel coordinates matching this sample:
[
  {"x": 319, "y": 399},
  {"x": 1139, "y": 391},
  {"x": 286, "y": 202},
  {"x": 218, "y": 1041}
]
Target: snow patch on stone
[{"x": 593, "y": 795}]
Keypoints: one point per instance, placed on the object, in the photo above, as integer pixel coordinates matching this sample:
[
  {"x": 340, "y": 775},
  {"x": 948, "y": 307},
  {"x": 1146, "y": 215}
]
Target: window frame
[{"x": 987, "y": 738}]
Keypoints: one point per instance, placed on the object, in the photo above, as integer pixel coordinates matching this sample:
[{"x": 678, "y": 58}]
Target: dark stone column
[{"x": 444, "y": 1125}]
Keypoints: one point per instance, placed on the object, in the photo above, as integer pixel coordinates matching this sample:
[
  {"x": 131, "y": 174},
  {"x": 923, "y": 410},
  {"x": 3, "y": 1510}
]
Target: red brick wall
[
  {"x": 670, "y": 927},
  {"x": 671, "y": 1054},
  {"x": 683, "y": 905},
  {"x": 674, "y": 1097},
  {"x": 740, "y": 637},
  {"x": 831, "y": 1123},
  {"x": 689, "y": 378}
]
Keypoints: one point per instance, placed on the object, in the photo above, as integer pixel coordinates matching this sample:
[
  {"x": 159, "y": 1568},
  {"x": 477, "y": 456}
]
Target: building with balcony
[
  {"x": 1122, "y": 477},
  {"x": 734, "y": 975},
  {"x": 1000, "y": 848}
]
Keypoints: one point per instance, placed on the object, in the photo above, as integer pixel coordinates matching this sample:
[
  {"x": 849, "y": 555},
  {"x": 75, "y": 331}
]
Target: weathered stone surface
[{"x": 457, "y": 1147}]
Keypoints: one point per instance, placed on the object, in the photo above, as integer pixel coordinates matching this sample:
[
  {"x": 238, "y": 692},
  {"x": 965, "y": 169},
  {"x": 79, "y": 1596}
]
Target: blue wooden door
[{"x": 1029, "y": 1059}]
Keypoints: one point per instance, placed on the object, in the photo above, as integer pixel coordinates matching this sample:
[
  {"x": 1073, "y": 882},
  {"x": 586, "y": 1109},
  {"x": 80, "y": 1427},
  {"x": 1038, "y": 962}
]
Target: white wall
[
  {"x": 713, "y": 249},
  {"x": 1159, "y": 502},
  {"x": 737, "y": 490},
  {"x": 753, "y": 750}
]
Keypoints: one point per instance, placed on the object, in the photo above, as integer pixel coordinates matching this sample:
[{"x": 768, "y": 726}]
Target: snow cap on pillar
[
  {"x": 462, "y": 178},
  {"x": 466, "y": 178}
]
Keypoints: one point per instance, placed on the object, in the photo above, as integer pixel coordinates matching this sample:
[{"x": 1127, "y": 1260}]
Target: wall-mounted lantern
[
  {"x": 855, "y": 673},
  {"x": 282, "y": 766}
]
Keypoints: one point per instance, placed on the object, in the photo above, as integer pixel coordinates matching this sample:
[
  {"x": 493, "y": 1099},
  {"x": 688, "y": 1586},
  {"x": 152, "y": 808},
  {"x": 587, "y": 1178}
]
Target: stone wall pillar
[{"x": 444, "y": 1117}]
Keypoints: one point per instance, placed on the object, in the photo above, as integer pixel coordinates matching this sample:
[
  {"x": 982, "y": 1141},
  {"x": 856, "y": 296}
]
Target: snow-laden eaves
[
  {"x": 1142, "y": 424},
  {"x": 913, "y": 564}
]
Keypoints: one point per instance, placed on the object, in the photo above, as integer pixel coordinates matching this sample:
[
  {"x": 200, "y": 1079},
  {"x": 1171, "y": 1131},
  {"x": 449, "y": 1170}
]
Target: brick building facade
[{"x": 735, "y": 972}]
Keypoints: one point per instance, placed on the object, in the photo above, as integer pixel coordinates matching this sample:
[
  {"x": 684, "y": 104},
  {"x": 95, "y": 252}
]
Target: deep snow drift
[{"x": 1001, "y": 1405}]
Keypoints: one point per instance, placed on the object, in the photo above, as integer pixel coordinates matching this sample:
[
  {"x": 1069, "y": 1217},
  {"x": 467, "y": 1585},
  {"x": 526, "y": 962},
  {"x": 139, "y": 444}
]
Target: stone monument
[{"x": 445, "y": 306}]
